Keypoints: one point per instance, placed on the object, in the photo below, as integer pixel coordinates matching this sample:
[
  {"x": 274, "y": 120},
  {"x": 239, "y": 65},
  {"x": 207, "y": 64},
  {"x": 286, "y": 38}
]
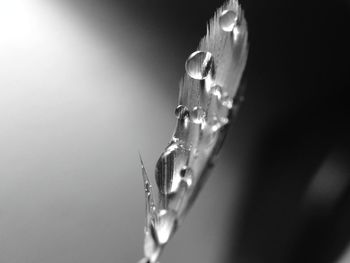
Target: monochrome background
[{"x": 87, "y": 84}]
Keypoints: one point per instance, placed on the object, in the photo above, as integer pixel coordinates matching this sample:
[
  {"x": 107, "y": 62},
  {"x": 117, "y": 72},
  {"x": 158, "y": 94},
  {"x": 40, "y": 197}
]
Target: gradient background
[{"x": 85, "y": 85}]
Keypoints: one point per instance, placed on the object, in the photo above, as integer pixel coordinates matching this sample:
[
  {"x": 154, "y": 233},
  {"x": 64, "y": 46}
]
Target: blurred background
[{"x": 86, "y": 84}]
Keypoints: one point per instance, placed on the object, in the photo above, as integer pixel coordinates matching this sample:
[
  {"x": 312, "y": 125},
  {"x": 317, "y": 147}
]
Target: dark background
[{"x": 297, "y": 114}]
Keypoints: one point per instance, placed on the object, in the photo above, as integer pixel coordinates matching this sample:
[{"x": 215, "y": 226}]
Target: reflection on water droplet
[
  {"x": 183, "y": 172},
  {"x": 165, "y": 225},
  {"x": 181, "y": 112},
  {"x": 228, "y": 20},
  {"x": 216, "y": 91},
  {"x": 216, "y": 127},
  {"x": 227, "y": 101},
  {"x": 199, "y": 64},
  {"x": 187, "y": 175},
  {"x": 198, "y": 115}
]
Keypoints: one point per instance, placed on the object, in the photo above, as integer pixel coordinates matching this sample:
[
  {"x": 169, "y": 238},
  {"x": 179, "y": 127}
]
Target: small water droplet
[
  {"x": 198, "y": 115},
  {"x": 227, "y": 101},
  {"x": 153, "y": 208},
  {"x": 181, "y": 112},
  {"x": 216, "y": 127},
  {"x": 199, "y": 64},
  {"x": 215, "y": 124},
  {"x": 216, "y": 91},
  {"x": 186, "y": 174},
  {"x": 165, "y": 225},
  {"x": 224, "y": 121},
  {"x": 228, "y": 20}
]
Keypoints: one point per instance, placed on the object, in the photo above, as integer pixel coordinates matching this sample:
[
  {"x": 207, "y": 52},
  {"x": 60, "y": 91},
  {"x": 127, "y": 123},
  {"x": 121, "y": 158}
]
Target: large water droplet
[
  {"x": 197, "y": 115},
  {"x": 182, "y": 112},
  {"x": 165, "y": 225},
  {"x": 168, "y": 168},
  {"x": 199, "y": 64},
  {"x": 228, "y": 20},
  {"x": 187, "y": 175}
]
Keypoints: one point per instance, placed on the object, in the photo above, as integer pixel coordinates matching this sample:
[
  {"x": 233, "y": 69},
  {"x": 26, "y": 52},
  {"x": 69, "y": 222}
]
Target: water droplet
[
  {"x": 227, "y": 101},
  {"x": 187, "y": 175},
  {"x": 228, "y": 20},
  {"x": 165, "y": 225},
  {"x": 223, "y": 121},
  {"x": 168, "y": 168},
  {"x": 198, "y": 115},
  {"x": 216, "y": 91},
  {"x": 199, "y": 64},
  {"x": 181, "y": 112},
  {"x": 215, "y": 124},
  {"x": 216, "y": 127}
]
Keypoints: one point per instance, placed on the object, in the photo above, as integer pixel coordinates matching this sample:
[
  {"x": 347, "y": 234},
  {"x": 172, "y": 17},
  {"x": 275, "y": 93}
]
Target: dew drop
[
  {"x": 186, "y": 174},
  {"x": 153, "y": 208},
  {"x": 216, "y": 127},
  {"x": 227, "y": 101},
  {"x": 215, "y": 124},
  {"x": 199, "y": 64},
  {"x": 198, "y": 115},
  {"x": 223, "y": 121},
  {"x": 228, "y": 20},
  {"x": 168, "y": 167},
  {"x": 165, "y": 225},
  {"x": 181, "y": 112},
  {"x": 216, "y": 91},
  {"x": 218, "y": 123}
]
